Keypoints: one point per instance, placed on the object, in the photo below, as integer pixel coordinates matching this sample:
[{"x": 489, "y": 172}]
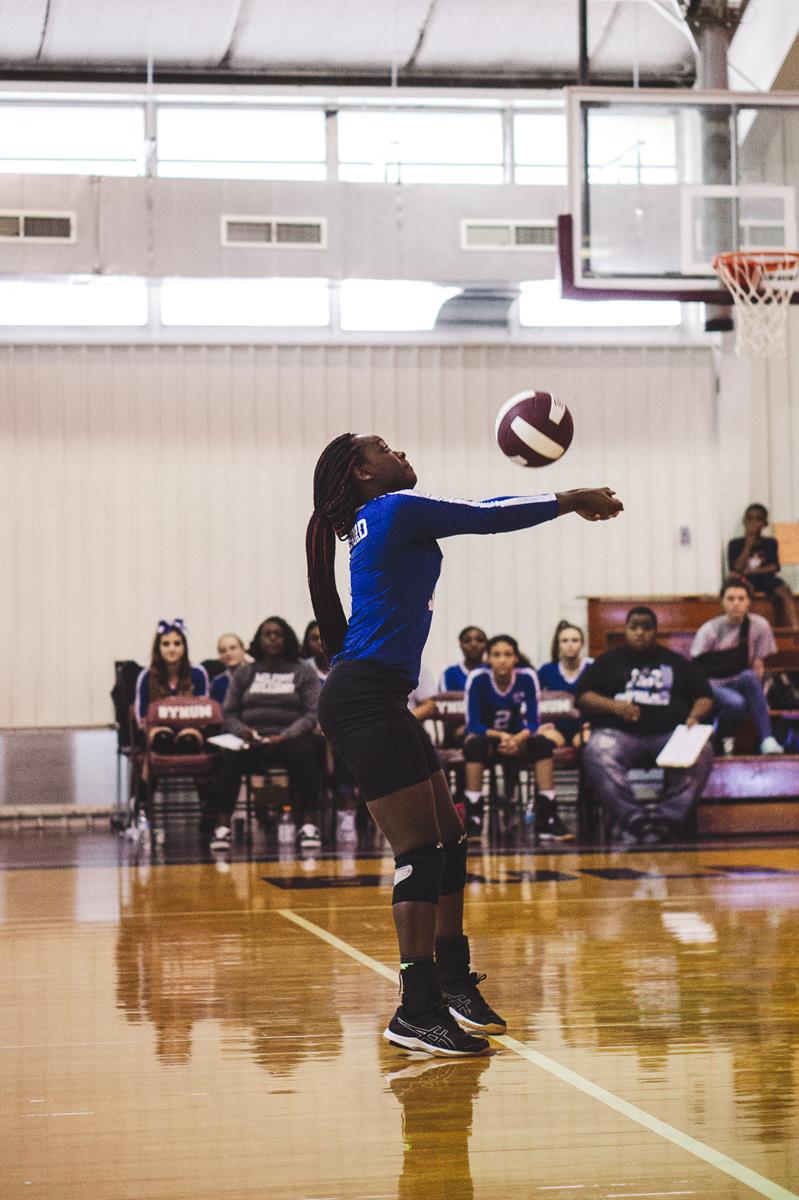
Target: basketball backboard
[{"x": 660, "y": 182}]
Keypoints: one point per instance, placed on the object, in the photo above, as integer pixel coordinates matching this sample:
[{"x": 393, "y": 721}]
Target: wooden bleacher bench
[
  {"x": 745, "y": 794},
  {"x": 751, "y": 794},
  {"x": 679, "y": 617}
]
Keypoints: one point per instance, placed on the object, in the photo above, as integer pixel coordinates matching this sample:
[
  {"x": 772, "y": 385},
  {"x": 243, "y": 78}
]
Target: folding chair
[{"x": 165, "y": 772}]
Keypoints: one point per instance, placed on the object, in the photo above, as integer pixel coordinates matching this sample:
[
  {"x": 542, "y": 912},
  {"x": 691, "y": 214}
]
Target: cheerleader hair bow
[{"x": 177, "y": 623}]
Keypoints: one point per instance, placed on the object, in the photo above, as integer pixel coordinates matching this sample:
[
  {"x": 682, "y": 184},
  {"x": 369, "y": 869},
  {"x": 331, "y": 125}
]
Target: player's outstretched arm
[{"x": 592, "y": 504}]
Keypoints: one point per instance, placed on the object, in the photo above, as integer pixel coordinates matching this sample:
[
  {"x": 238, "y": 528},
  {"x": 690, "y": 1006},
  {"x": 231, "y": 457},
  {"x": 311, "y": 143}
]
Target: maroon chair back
[
  {"x": 184, "y": 712},
  {"x": 552, "y": 705}
]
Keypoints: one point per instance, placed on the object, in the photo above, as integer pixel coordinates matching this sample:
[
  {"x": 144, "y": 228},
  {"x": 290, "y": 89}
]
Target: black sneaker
[
  {"x": 434, "y": 1031},
  {"x": 469, "y": 1008},
  {"x": 474, "y": 817},
  {"x": 548, "y": 824}
]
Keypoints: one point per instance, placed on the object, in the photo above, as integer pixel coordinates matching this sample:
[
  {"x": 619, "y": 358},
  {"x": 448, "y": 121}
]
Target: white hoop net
[{"x": 761, "y": 284}]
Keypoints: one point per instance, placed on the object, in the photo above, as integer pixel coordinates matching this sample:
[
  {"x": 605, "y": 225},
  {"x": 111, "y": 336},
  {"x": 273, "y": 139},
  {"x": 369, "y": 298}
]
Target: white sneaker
[
  {"x": 770, "y": 745},
  {"x": 309, "y": 835},
  {"x": 221, "y": 838},
  {"x": 345, "y": 824}
]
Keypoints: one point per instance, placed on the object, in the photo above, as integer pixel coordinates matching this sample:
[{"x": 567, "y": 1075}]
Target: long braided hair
[{"x": 335, "y": 500}]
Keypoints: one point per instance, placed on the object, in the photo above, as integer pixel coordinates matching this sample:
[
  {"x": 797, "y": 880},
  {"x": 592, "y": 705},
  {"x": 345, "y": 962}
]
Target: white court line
[{"x": 715, "y": 1158}]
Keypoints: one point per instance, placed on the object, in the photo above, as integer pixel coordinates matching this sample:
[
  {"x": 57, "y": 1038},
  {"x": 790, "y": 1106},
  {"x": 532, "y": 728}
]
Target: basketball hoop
[{"x": 761, "y": 284}]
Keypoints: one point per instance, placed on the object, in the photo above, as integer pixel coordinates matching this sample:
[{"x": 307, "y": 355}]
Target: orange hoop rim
[{"x": 766, "y": 260}]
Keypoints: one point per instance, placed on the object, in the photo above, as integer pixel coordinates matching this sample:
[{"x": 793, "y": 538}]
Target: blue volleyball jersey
[
  {"x": 453, "y": 678},
  {"x": 199, "y": 687},
  {"x": 552, "y": 679},
  {"x": 509, "y": 711},
  {"x": 395, "y": 563}
]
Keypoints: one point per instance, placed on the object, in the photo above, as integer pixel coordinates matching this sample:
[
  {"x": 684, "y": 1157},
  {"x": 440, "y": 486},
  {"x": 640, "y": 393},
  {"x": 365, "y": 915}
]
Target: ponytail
[{"x": 335, "y": 504}]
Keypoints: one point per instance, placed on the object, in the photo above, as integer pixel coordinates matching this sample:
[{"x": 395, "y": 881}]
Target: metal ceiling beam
[{"x": 470, "y": 80}]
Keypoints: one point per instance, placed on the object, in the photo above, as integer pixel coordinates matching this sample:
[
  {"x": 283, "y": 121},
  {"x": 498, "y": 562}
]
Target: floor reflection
[
  {"x": 437, "y": 1099},
  {"x": 190, "y": 949}
]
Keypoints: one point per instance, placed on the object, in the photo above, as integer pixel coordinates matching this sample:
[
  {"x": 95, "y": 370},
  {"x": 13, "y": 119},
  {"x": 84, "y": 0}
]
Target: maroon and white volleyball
[{"x": 534, "y": 428}]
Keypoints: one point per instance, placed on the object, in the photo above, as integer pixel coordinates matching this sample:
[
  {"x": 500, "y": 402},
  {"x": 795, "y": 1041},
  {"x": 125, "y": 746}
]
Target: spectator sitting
[
  {"x": 473, "y": 642},
  {"x": 635, "y": 696},
  {"x": 562, "y": 674},
  {"x": 170, "y": 673},
  {"x": 232, "y": 654},
  {"x": 501, "y": 719},
  {"x": 271, "y": 704},
  {"x": 312, "y": 651},
  {"x": 730, "y": 650},
  {"x": 756, "y": 558}
]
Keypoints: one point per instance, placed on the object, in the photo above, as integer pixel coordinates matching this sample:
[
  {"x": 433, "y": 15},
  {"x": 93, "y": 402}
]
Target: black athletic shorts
[{"x": 364, "y": 714}]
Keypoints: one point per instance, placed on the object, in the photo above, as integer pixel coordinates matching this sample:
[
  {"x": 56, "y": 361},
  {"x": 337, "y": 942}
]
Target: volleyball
[{"x": 534, "y": 429}]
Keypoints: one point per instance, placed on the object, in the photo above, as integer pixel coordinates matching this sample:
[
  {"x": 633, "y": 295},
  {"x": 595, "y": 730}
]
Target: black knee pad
[
  {"x": 454, "y": 877},
  {"x": 475, "y": 748},
  {"x": 418, "y": 874}
]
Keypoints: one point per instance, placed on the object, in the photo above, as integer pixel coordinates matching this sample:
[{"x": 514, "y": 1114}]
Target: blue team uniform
[
  {"x": 453, "y": 678},
  {"x": 395, "y": 563},
  {"x": 510, "y": 711},
  {"x": 551, "y": 678},
  {"x": 199, "y": 687}
]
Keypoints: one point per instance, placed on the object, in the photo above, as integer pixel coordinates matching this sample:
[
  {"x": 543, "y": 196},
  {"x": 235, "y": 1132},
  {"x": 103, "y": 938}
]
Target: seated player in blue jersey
[
  {"x": 362, "y": 493},
  {"x": 472, "y": 641},
  {"x": 562, "y": 674},
  {"x": 312, "y": 651},
  {"x": 232, "y": 654},
  {"x": 502, "y": 724}
]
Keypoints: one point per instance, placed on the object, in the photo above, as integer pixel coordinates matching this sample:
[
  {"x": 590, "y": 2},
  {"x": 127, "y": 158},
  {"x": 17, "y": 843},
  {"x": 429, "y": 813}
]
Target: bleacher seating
[{"x": 745, "y": 793}]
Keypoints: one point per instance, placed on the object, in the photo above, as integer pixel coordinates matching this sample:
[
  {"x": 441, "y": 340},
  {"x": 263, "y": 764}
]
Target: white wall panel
[{"x": 152, "y": 481}]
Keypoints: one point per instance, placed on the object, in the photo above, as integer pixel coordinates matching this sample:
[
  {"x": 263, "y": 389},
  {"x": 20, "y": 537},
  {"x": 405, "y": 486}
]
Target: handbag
[{"x": 723, "y": 664}]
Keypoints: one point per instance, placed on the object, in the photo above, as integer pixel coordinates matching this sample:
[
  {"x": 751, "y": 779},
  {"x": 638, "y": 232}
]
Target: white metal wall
[{"x": 148, "y": 481}]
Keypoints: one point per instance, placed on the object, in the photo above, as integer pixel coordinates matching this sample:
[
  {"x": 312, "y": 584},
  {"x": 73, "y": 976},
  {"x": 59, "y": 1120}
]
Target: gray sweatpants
[{"x": 611, "y": 753}]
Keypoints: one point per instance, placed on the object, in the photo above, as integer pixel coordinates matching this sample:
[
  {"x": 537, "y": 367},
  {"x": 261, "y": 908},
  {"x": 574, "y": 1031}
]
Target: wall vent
[
  {"x": 508, "y": 235},
  {"x": 275, "y": 232},
  {"x": 27, "y": 226}
]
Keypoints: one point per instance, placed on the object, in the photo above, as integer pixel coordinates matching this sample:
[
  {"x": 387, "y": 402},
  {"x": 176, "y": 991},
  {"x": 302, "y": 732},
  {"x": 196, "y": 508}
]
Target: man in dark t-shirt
[{"x": 634, "y": 697}]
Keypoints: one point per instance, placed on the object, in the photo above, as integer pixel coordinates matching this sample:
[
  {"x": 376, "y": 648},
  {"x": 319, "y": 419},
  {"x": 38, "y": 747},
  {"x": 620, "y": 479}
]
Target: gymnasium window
[
  {"x": 541, "y": 306},
  {"x": 540, "y": 149},
  {"x": 245, "y": 302},
  {"x": 420, "y": 147},
  {"x": 391, "y": 305},
  {"x": 240, "y": 143},
  {"x": 91, "y": 139},
  {"x": 77, "y": 301}
]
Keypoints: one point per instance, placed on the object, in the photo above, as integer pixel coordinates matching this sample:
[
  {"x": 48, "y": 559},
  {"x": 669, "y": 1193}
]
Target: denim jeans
[
  {"x": 739, "y": 697},
  {"x": 611, "y": 753}
]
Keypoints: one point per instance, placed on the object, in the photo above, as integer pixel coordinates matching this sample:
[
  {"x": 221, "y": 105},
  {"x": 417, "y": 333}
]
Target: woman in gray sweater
[{"x": 271, "y": 704}]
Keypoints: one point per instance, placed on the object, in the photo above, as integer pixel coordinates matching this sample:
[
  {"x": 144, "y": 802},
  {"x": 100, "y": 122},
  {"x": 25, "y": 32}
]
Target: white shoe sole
[
  {"x": 473, "y": 1027},
  {"x": 411, "y": 1043}
]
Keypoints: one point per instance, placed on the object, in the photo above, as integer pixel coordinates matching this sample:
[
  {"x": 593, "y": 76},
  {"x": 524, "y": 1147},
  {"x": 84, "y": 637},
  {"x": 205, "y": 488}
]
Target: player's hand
[
  {"x": 627, "y": 711},
  {"x": 597, "y": 504}
]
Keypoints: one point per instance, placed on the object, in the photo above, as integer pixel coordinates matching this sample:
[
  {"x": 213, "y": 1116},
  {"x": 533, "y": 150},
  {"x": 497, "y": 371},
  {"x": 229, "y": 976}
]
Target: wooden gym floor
[{"x": 184, "y": 1029}]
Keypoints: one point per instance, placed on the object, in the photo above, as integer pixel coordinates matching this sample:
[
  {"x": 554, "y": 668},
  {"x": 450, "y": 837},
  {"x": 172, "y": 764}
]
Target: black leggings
[
  {"x": 301, "y": 757},
  {"x": 363, "y": 710}
]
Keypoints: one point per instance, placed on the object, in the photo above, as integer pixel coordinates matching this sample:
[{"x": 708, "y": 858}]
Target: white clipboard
[{"x": 684, "y": 746}]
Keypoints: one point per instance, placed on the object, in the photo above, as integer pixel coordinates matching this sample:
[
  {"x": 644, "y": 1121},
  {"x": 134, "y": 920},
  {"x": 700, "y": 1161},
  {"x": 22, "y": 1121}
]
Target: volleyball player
[{"x": 362, "y": 493}]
